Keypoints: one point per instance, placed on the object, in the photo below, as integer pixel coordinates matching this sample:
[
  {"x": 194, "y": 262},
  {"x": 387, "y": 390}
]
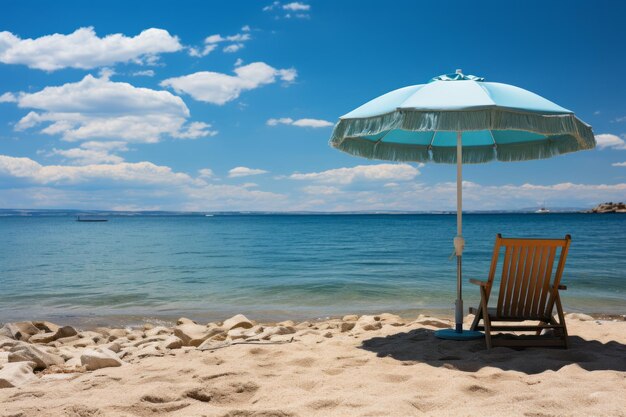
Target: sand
[{"x": 400, "y": 369}]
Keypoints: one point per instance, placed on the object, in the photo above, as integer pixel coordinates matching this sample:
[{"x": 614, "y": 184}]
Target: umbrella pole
[{"x": 459, "y": 242}]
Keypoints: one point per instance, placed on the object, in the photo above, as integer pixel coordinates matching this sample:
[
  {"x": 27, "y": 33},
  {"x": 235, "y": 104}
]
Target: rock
[
  {"x": 328, "y": 335},
  {"x": 42, "y": 338},
  {"x": 242, "y": 333},
  {"x": 287, "y": 323},
  {"x": 303, "y": 325},
  {"x": 147, "y": 340},
  {"x": 237, "y": 321},
  {"x": 369, "y": 323},
  {"x": 73, "y": 362},
  {"x": 609, "y": 207},
  {"x": 194, "y": 334},
  {"x": 60, "y": 333},
  {"x": 579, "y": 316},
  {"x": 158, "y": 330},
  {"x": 30, "y": 353},
  {"x": 22, "y": 330},
  {"x": 46, "y": 326},
  {"x": 101, "y": 358},
  {"x": 150, "y": 349},
  {"x": 433, "y": 322},
  {"x": 4, "y": 358},
  {"x": 391, "y": 319},
  {"x": 347, "y": 326},
  {"x": 350, "y": 317},
  {"x": 148, "y": 326},
  {"x": 172, "y": 342},
  {"x": 116, "y": 334},
  {"x": 16, "y": 374},
  {"x": 65, "y": 340},
  {"x": 113, "y": 346},
  {"x": 184, "y": 320}
]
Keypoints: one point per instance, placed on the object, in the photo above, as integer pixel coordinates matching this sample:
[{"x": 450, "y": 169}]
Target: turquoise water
[{"x": 278, "y": 266}]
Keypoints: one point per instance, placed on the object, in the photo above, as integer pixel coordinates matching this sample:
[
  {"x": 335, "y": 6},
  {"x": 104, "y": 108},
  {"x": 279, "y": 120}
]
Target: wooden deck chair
[{"x": 528, "y": 292}]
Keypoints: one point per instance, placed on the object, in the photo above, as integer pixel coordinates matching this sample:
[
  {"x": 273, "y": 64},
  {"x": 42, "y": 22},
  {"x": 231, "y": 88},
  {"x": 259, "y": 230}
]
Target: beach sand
[{"x": 376, "y": 366}]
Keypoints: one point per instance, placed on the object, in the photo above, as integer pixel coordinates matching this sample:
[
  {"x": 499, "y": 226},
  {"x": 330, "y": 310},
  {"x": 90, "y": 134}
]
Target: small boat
[
  {"x": 542, "y": 210},
  {"x": 91, "y": 219}
]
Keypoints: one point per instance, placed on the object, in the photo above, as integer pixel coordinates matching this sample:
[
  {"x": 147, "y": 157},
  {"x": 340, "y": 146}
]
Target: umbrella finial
[{"x": 459, "y": 71}]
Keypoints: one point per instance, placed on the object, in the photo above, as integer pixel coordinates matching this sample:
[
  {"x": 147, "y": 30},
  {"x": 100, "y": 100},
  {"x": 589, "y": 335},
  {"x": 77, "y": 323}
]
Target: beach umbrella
[{"x": 457, "y": 119}]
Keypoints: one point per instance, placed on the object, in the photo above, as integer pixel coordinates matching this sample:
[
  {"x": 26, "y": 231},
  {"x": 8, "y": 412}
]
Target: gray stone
[
  {"x": 30, "y": 353},
  {"x": 194, "y": 334},
  {"x": 100, "y": 358},
  {"x": 22, "y": 330},
  {"x": 16, "y": 374},
  {"x": 347, "y": 326},
  {"x": 172, "y": 342},
  {"x": 237, "y": 321}
]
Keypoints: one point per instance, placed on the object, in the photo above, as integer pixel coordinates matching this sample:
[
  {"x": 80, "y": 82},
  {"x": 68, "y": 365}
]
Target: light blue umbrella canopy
[
  {"x": 499, "y": 122},
  {"x": 454, "y": 117}
]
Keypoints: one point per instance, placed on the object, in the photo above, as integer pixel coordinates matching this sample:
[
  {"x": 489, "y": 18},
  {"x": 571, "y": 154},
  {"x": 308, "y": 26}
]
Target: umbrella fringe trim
[{"x": 566, "y": 134}]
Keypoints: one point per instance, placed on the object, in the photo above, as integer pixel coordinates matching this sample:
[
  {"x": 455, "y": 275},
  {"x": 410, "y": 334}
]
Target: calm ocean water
[{"x": 281, "y": 266}]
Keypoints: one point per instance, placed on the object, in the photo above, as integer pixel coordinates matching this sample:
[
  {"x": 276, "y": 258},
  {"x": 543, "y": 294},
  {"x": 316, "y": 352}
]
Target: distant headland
[{"x": 609, "y": 207}]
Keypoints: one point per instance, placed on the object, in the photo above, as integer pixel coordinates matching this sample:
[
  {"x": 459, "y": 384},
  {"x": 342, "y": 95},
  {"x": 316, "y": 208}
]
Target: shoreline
[
  {"x": 139, "y": 320},
  {"x": 367, "y": 365}
]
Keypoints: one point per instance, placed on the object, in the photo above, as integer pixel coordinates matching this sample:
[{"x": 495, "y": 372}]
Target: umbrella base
[{"x": 451, "y": 334}]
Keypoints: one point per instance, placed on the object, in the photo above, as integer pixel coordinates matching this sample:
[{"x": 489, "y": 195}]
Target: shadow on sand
[{"x": 421, "y": 346}]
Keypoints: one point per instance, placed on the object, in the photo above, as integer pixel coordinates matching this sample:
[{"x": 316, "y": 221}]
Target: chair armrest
[{"x": 478, "y": 282}]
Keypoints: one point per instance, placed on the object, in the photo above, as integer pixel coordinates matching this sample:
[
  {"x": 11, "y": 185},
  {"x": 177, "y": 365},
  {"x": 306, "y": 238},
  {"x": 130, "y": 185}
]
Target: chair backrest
[{"x": 528, "y": 286}]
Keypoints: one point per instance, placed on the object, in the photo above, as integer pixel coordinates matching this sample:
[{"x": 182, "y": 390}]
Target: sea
[{"x": 270, "y": 267}]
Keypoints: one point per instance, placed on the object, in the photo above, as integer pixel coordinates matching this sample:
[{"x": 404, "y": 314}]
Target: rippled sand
[{"x": 397, "y": 370}]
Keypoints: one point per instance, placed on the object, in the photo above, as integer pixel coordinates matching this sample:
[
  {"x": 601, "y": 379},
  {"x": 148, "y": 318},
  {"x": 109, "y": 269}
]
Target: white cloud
[
  {"x": 8, "y": 98},
  {"x": 296, "y": 6},
  {"x": 316, "y": 123},
  {"x": 217, "y": 88},
  {"x": 97, "y": 108},
  {"x": 380, "y": 172},
  {"x": 233, "y": 47},
  {"x": 83, "y": 49},
  {"x": 206, "y": 173},
  {"x": 88, "y": 156},
  {"x": 93, "y": 152},
  {"x": 321, "y": 190},
  {"x": 139, "y": 172},
  {"x": 619, "y": 164},
  {"x": 145, "y": 73},
  {"x": 271, "y": 6},
  {"x": 607, "y": 140},
  {"x": 244, "y": 172},
  {"x": 211, "y": 43},
  {"x": 288, "y": 10}
]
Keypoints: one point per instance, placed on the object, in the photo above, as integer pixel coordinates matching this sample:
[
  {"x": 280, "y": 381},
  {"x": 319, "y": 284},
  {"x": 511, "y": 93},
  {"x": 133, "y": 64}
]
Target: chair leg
[
  {"x": 559, "y": 310},
  {"x": 538, "y": 332},
  {"x": 486, "y": 320},
  {"x": 477, "y": 317}
]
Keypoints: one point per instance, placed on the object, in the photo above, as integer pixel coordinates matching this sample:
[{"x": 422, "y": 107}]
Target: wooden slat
[
  {"x": 534, "y": 310},
  {"x": 504, "y": 278},
  {"x": 532, "y": 281},
  {"x": 545, "y": 282},
  {"x": 494, "y": 264},
  {"x": 533, "y": 242},
  {"x": 519, "y": 277},
  {"x": 510, "y": 282},
  {"x": 521, "y": 302}
]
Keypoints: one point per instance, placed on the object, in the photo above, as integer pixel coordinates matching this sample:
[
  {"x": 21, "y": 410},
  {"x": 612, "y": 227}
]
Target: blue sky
[{"x": 230, "y": 105}]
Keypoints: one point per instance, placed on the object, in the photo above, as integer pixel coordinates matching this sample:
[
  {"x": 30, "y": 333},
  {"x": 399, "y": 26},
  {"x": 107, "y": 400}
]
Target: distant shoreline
[{"x": 112, "y": 213}]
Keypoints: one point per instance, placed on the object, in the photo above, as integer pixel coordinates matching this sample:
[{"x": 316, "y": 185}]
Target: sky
[{"x": 213, "y": 106}]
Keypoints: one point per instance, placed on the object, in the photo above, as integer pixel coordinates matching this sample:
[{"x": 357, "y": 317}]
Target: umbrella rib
[
  {"x": 495, "y": 145},
  {"x": 430, "y": 145}
]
